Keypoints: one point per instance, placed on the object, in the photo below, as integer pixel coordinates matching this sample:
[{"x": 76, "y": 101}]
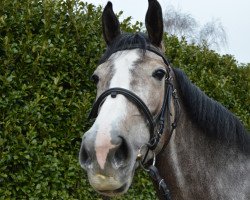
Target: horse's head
[{"x": 128, "y": 76}]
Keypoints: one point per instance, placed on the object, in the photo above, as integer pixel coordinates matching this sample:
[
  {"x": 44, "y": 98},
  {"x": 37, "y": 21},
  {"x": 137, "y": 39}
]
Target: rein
[{"x": 153, "y": 122}]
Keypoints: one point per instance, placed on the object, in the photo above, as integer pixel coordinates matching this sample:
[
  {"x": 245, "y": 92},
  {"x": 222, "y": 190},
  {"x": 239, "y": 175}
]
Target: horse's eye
[
  {"x": 95, "y": 78},
  {"x": 159, "y": 74}
]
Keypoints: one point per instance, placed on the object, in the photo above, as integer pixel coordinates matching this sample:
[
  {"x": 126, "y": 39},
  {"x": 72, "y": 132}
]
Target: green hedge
[{"x": 48, "y": 51}]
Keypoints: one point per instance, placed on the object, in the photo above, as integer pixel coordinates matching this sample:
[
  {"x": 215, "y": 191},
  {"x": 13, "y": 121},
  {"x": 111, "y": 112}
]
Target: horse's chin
[
  {"x": 110, "y": 186},
  {"x": 117, "y": 192}
]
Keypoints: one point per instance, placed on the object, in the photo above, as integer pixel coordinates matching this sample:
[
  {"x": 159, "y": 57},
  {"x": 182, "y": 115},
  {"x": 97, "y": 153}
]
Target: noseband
[{"x": 156, "y": 124}]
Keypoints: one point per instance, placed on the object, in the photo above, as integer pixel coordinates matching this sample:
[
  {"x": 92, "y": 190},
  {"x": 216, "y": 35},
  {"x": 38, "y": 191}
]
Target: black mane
[
  {"x": 214, "y": 119},
  {"x": 126, "y": 41}
]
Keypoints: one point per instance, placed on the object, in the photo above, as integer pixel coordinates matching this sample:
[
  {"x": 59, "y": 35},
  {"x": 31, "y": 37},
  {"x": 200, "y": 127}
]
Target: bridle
[{"x": 156, "y": 124}]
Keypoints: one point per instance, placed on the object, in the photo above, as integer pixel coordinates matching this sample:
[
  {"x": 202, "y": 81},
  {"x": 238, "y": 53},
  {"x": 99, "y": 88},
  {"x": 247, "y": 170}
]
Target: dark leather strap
[
  {"x": 130, "y": 96},
  {"x": 163, "y": 187},
  {"x": 147, "y": 47}
]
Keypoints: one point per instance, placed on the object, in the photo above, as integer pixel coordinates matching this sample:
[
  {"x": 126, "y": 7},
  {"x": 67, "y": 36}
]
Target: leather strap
[{"x": 130, "y": 96}]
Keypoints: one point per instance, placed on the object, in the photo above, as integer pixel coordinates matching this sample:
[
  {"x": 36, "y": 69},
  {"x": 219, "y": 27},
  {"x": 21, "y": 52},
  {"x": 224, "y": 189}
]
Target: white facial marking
[
  {"x": 103, "y": 145},
  {"x": 113, "y": 109}
]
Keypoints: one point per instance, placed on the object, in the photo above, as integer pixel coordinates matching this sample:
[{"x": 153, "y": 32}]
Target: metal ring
[{"x": 153, "y": 163}]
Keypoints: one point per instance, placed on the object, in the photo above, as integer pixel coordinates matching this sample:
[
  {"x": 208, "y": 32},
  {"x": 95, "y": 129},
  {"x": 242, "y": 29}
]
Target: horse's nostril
[
  {"x": 122, "y": 153},
  {"x": 84, "y": 157}
]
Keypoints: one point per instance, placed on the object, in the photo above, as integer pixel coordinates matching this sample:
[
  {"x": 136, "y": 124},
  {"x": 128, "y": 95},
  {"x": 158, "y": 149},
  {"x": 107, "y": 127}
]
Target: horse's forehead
[
  {"x": 125, "y": 60},
  {"x": 123, "y": 64},
  {"x": 135, "y": 60},
  {"x": 130, "y": 60}
]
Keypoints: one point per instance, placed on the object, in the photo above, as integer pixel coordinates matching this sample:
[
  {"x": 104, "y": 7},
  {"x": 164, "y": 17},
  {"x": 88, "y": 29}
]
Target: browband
[{"x": 146, "y": 48}]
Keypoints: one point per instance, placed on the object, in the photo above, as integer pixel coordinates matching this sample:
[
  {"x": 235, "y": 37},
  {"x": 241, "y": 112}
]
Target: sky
[{"x": 234, "y": 16}]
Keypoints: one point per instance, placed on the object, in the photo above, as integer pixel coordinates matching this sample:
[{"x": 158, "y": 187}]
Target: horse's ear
[
  {"x": 154, "y": 22},
  {"x": 110, "y": 24}
]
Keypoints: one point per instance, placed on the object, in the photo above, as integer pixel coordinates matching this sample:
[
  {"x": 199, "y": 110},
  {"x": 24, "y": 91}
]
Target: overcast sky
[{"x": 234, "y": 16}]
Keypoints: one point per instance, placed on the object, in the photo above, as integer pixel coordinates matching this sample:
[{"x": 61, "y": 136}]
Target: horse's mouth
[{"x": 115, "y": 192}]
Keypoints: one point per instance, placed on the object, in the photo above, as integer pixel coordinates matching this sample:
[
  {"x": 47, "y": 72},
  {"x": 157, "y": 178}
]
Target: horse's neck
[{"x": 197, "y": 167}]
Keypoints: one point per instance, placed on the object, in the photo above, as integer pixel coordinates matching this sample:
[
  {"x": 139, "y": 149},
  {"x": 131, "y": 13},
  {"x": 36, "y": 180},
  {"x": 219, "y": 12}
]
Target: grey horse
[{"x": 203, "y": 150}]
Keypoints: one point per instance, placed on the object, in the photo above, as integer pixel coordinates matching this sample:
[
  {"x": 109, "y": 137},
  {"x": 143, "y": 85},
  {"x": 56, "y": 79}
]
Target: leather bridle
[{"x": 156, "y": 124}]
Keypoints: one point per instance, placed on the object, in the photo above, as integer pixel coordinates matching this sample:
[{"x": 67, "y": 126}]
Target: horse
[{"x": 149, "y": 114}]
